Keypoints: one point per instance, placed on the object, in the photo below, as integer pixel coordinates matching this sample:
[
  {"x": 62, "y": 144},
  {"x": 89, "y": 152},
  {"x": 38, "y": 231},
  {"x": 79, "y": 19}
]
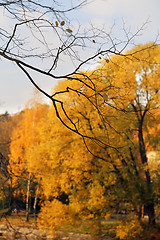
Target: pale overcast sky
[{"x": 16, "y": 90}]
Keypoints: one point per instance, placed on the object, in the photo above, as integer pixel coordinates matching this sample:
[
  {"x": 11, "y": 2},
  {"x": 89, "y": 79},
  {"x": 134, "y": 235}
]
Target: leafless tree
[{"x": 41, "y": 39}]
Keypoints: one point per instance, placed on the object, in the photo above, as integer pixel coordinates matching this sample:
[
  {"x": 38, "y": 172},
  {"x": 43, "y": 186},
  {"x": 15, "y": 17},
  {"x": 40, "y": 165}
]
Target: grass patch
[
  {"x": 17, "y": 220},
  {"x": 108, "y": 228}
]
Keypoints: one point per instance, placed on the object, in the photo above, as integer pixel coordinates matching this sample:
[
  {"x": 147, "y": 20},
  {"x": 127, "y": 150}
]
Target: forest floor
[
  {"x": 15, "y": 227},
  {"x": 29, "y": 233}
]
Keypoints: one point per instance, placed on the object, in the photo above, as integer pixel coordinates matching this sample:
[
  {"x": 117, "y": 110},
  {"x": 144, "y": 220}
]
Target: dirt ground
[{"x": 25, "y": 233}]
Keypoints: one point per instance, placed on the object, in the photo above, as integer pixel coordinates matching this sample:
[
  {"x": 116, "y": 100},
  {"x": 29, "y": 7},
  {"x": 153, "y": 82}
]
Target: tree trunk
[
  {"x": 141, "y": 212},
  {"x": 151, "y": 214},
  {"x": 10, "y": 197},
  {"x": 150, "y": 208},
  {"x": 27, "y": 198},
  {"x": 35, "y": 201}
]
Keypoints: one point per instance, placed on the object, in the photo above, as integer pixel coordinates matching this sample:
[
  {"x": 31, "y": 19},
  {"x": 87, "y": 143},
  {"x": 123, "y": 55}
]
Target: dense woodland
[{"x": 91, "y": 161}]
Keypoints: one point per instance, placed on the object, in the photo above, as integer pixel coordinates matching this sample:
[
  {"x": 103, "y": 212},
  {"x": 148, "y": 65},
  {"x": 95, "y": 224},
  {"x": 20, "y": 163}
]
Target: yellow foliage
[
  {"x": 130, "y": 228},
  {"x": 24, "y": 137},
  {"x": 55, "y": 215},
  {"x": 92, "y": 169},
  {"x": 97, "y": 198}
]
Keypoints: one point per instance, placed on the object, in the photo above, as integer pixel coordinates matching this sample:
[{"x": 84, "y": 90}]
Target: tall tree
[
  {"x": 24, "y": 138},
  {"x": 89, "y": 171},
  {"x": 7, "y": 123},
  {"x": 111, "y": 109},
  {"x": 69, "y": 191}
]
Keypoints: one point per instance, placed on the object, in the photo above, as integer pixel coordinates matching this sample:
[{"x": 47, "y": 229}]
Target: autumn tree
[
  {"x": 112, "y": 109},
  {"x": 7, "y": 123},
  {"x": 73, "y": 185},
  {"x": 97, "y": 159},
  {"x": 24, "y": 137},
  {"x": 138, "y": 96}
]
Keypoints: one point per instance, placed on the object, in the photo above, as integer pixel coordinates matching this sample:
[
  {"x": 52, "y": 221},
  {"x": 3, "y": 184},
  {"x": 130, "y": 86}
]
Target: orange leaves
[
  {"x": 97, "y": 198},
  {"x": 24, "y": 137},
  {"x": 54, "y": 215}
]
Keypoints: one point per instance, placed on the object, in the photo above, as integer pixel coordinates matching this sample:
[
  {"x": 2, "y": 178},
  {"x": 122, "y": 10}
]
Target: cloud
[
  {"x": 109, "y": 8},
  {"x": 134, "y": 12}
]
